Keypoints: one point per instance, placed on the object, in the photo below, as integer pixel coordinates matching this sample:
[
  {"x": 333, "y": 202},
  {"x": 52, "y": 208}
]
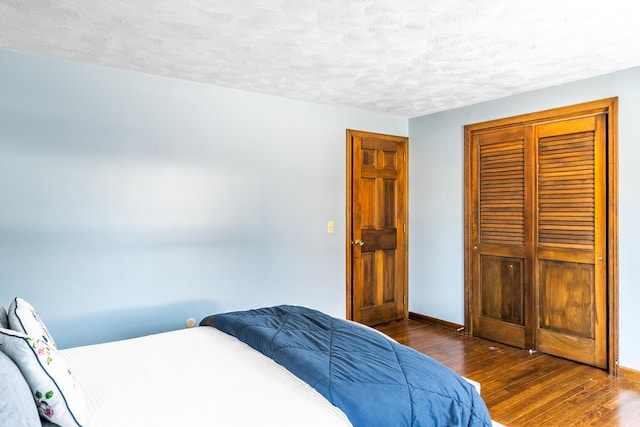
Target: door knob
[{"x": 358, "y": 243}]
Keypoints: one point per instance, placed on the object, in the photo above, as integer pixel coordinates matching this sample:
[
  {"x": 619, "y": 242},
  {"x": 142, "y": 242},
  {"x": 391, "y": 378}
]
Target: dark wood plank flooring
[{"x": 526, "y": 389}]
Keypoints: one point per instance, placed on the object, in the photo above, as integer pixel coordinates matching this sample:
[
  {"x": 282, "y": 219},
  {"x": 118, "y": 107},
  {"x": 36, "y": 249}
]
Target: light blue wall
[
  {"x": 131, "y": 202},
  {"x": 436, "y": 197}
]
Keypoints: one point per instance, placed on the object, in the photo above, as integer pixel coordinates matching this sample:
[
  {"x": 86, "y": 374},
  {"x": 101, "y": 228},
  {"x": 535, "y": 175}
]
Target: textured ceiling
[{"x": 403, "y": 57}]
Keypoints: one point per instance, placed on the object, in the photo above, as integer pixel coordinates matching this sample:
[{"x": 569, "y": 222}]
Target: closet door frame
[{"x": 608, "y": 106}]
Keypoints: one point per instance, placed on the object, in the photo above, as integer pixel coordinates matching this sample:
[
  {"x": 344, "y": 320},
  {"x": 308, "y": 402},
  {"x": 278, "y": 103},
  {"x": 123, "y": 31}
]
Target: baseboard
[
  {"x": 433, "y": 321},
  {"x": 629, "y": 374}
]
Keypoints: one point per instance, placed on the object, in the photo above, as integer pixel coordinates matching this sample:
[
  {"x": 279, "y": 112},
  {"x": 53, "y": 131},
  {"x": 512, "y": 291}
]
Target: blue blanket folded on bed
[{"x": 374, "y": 380}]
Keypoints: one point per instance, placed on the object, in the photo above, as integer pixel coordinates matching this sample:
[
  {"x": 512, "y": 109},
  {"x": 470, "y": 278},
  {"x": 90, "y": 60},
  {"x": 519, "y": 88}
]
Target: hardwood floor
[{"x": 523, "y": 389}]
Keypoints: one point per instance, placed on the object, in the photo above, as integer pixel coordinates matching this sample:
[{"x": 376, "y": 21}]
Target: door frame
[
  {"x": 349, "y": 214},
  {"x": 608, "y": 106}
]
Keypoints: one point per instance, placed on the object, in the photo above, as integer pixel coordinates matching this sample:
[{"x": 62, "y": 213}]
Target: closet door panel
[
  {"x": 571, "y": 239},
  {"x": 503, "y": 296},
  {"x": 500, "y": 232}
]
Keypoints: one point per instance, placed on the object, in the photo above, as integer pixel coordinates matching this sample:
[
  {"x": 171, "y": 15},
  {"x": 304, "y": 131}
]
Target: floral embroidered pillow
[
  {"x": 57, "y": 395},
  {"x": 24, "y": 318}
]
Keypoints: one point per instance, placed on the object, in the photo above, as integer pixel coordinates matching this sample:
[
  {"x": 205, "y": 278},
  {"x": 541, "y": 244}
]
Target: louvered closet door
[
  {"x": 570, "y": 252},
  {"x": 540, "y": 252},
  {"x": 500, "y": 206}
]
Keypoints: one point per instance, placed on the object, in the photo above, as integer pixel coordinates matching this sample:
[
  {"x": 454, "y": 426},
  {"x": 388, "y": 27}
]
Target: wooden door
[
  {"x": 501, "y": 206},
  {"x": 571, "y": 244},
  {"x": 541, "y": 232},
  {"x": 377, "y": 240}
]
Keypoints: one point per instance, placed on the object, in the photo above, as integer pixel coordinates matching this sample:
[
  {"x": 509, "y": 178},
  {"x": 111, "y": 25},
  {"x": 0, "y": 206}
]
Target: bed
[{"x": 235, "y": 369}]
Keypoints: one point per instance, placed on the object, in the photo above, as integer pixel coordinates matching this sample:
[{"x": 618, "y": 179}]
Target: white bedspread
[{"x": 193, "y": 377}]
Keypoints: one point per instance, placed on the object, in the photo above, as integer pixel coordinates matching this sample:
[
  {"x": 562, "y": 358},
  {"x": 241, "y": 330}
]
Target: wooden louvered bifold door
[
  {"x": 570, "y": 252},
  {"x": 500, "y": 202},
  {"x": 539, "y": 236}
]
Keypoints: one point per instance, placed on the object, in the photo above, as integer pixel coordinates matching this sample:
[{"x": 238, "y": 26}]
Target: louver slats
[
  {"x": 566, "y": 191},
  {"x": 501, "y": 193}
]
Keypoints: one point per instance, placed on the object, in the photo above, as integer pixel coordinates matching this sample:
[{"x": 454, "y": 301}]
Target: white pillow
[
  {"x": 17, "y": 408},
  {"x": 58, "y": 396},
  {"x": 4, "y": 321},
  {"x": 24, "y": 318}
]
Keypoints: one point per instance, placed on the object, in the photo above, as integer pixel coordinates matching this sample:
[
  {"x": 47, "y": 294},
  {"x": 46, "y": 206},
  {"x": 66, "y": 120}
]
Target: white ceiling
[{"x": 403, "y": 57}]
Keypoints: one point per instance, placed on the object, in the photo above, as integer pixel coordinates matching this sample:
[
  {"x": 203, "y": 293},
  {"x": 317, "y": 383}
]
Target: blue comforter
[{"x": 374, "y": 380}]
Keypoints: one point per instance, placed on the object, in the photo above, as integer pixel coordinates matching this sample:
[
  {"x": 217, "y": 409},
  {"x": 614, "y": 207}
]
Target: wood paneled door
[
  {"x": 541, "y": 232},
  {"x": 376, "y": 230}
]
